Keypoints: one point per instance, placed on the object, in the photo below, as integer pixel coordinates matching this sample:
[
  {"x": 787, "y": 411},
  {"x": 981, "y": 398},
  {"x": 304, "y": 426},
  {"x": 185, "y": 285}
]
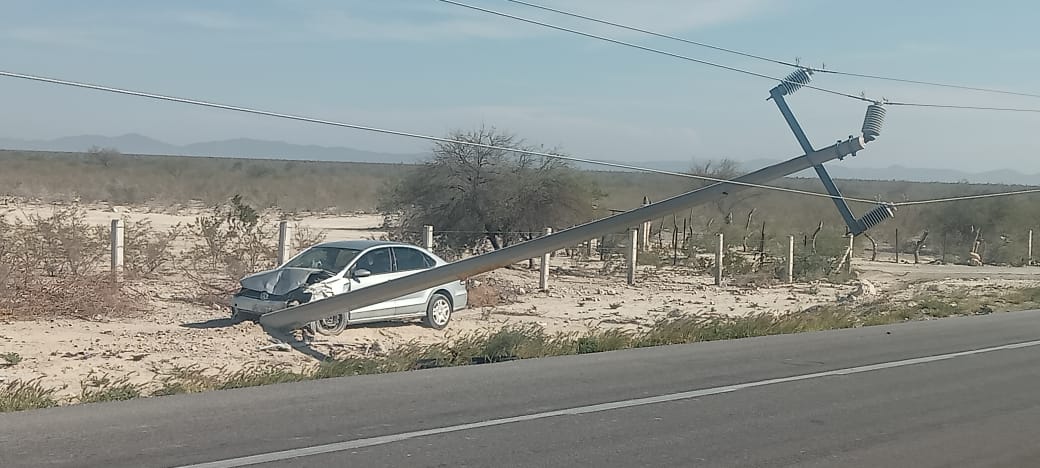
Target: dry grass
[
  {"x": 86, "y": 297},
  {"x": 524, "y": 342},
  {"x": 24, "y": 395},
  {"x": 171, "y": 180}
]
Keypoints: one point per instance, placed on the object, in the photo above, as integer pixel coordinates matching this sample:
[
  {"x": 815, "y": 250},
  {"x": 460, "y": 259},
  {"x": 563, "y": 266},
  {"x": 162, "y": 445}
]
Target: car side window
[
  {"x": 376, "y": 261},
  {"x": 411, "y": 259}
]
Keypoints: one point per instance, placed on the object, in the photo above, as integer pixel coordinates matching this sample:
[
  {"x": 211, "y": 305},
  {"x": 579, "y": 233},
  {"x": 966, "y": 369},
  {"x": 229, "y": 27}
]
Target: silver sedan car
[{"x": 332, "y": 268}]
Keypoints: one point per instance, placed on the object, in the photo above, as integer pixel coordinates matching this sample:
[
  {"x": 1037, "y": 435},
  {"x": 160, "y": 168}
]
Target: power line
[
  {"x": 280, "y": 115},
  {"x": 247, "y": 110},
  {"x": 734, "y": 69},
  {"x": 767, "y": 59},
  {"x": 968, "y": 197},
  {"x": 954, "y": 106},
  {"x": 927, "y": 83},
  {"x": 653, "y": 33},
  {"x": 653, "y": 50}
]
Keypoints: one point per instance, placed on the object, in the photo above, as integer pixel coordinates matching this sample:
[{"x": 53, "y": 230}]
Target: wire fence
[
  {"x": 746, "y": 251},
  {"x": 758, "y": 253}
]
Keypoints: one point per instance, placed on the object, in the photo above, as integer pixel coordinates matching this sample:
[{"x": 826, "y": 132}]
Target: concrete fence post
[
  {"x": 719, "y": 255},
  {"x": 644, "y": 229},
  {"x": 643, "y": 240},
  {"x": 852, "y": 252},
  {"x": 790, "y": 259},
  {"x": 116, "y": 238},
  {"x": 427, "y": 237},
  {"x": 1029, "y": 249},
  {"x": 633, "y": 252},
  {"x": 284, "y": 241},
  {"x": 897, "y": 245},
  {"x": 543, "y": 277}
]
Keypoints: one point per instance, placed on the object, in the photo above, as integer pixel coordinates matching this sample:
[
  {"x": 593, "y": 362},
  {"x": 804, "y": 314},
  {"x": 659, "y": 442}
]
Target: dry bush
[
  {"x": 62, "y": 244},
  {"x": 51, "y": 267},
  {"x": 484, "y": 295},
  {"x": 8, "y": 254},
  {"x": 488, "y": 291},
  {"x": 146, "y": 249},
  {"x": 230, "y": 242},
  {"x": 304, "y": 236},
  {"x": 87, "y": 297}
]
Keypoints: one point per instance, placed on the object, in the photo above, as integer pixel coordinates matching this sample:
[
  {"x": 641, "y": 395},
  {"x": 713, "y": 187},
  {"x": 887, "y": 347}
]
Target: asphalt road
[{"x": 952, "y": 392}]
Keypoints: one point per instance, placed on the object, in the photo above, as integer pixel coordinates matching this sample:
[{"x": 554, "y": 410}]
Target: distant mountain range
[
  {"x": 251, "y": 148},
  {"x": 237, "y": 148}
]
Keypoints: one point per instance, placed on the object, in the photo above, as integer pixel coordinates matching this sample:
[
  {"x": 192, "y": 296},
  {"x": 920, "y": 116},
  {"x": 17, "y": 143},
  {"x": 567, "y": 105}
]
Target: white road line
[{"x": 387, "y": 439}]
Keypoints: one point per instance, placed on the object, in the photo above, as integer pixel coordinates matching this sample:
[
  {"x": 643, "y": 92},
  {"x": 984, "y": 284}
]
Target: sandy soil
[{"x": 172, "y": 332}]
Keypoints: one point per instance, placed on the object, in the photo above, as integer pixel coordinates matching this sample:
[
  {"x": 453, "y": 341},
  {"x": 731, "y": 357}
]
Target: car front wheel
[
  {"x": 329, "y": 326},
  {"x": 438, "y": 311}
]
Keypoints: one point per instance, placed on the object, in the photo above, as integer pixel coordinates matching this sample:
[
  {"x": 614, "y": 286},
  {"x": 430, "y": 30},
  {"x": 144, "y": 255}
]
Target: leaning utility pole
[{"x": 298, "y": 316}]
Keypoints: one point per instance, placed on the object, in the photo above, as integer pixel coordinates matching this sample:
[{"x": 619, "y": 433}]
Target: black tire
[
  {"x": 438, "y": 311},
  {"x": 239, "y": 316},
  {"x": 329, "y": 326}
]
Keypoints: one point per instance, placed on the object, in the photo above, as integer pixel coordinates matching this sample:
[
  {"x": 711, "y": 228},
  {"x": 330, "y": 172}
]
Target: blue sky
[{"x": 429, "y": 67}]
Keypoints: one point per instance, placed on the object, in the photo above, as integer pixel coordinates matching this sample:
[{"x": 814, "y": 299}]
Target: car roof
[{"x": 362, "y": 244}]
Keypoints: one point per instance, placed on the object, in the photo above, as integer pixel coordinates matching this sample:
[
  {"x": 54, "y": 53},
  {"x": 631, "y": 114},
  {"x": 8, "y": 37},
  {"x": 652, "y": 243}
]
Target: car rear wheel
[
  {"x": 438, "y": 311},
  {"x": 329, "y": 326}
]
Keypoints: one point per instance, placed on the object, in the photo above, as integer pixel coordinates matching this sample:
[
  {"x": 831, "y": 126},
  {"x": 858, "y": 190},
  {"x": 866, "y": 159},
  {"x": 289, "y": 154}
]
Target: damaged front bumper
[
  {"x": 276, "y": 289},
  {"x": 256, "y": 303}
]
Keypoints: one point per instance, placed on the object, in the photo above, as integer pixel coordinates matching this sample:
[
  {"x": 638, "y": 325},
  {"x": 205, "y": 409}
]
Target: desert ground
[{"x": 171, "y": 331}]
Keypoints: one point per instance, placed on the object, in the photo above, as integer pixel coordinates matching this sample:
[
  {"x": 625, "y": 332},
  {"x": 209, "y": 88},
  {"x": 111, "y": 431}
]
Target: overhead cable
[
  {"x": 202, "y": 103},
  {"x": 968, "y": 197},
  {"x": 955, "y": 106},
  {"x": 198, "y": 102},
  {"x": 729, "y": 68},
  {"x": 653, "y": 50},
  {"x": 767, "y": 59}
]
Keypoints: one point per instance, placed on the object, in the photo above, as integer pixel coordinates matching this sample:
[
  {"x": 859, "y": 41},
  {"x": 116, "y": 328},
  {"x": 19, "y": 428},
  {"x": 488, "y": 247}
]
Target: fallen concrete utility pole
[{"x": 303, "y": 314}]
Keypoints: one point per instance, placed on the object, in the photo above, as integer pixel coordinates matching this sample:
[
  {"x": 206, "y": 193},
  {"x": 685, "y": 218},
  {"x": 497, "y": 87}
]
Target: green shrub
[
  {"x": 98, "y": 388},
  {"x": 20, "y": 395}
]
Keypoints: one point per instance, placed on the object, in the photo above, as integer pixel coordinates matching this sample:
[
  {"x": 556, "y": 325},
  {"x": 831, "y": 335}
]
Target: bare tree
[
  {"x": 918, "y": 246},
  {"x": 724, "y": 169},
  {"x": 477, "y": 194},
  {"x": 104, "y": 156},
  {"x": 873, "y": 248},
  {"x": 814, "y": 235}
]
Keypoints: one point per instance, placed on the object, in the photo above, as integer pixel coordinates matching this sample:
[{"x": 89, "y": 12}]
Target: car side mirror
[{"x": 361, "y": 273}]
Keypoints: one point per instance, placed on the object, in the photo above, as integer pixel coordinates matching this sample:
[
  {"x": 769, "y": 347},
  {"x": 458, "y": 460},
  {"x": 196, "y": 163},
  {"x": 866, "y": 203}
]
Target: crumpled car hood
[{"x": 278, "y": 282}]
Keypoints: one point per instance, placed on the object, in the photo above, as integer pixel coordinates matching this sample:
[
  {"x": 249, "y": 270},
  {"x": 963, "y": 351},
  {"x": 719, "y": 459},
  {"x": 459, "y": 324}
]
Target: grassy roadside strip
[{"x": 524, "y": 342}]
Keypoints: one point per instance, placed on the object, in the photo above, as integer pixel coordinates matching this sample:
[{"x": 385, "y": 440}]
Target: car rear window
[{"x": 411, "y": 259}]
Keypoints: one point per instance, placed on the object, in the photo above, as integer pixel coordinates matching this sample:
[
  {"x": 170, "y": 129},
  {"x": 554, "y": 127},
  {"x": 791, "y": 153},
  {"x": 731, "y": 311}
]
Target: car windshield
[{"x": 331, "y": 259}]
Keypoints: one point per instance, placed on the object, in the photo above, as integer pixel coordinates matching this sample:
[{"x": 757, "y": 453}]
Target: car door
[
  {"x": 409, "y": 261},
  {"x": 379, "y": 263}
]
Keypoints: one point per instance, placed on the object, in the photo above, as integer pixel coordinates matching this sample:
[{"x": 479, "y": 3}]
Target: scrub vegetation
[
  {"x": 56, "y": 264},
  {"x": 523, "y": 342}
]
